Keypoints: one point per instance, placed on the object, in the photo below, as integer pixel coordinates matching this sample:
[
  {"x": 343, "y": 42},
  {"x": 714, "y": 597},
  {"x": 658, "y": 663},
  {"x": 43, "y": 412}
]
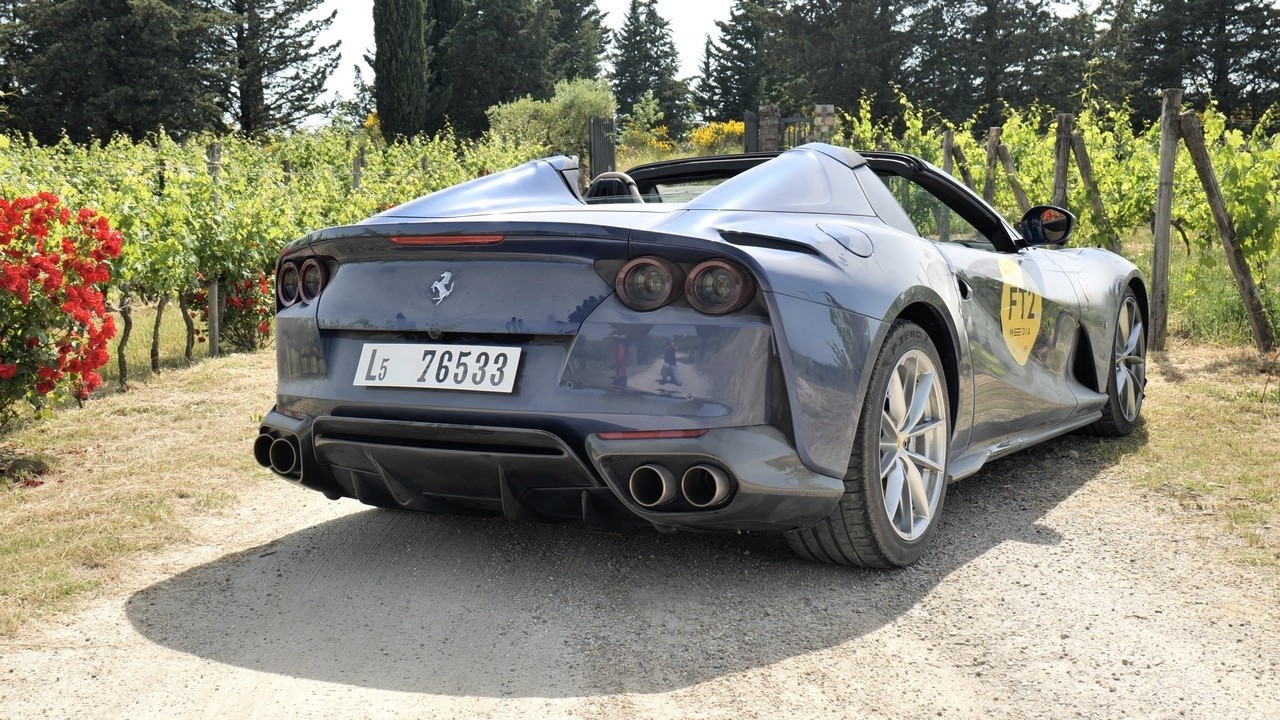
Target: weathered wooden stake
[
  {"x": 357, "y": 168},
  {"x": 288, "y": 171},
  {"x": 155, "y": 333},
  {"x": 1062, "y": 158},
  {"x": 1193, "y": 136},
  {"x": 989, "y": 180},
  {"x": 1085, "y": 165},
  {"x": 126, "y": 317},
  {"x": 1169, "y": 133},
  {"x": 1024, "y": 204},
  {"x": 963, "y": 165},
  {"x": 215, "y": 309}
]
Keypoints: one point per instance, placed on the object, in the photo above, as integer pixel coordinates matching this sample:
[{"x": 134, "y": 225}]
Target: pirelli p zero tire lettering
[
  {"x": 897, "y": 478},
  {"x": 1127, "y": 378}
]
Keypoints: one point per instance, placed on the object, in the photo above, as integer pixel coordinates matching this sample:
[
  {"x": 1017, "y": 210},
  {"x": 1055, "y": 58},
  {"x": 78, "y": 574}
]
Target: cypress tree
[{"x": 401, "y": 66}]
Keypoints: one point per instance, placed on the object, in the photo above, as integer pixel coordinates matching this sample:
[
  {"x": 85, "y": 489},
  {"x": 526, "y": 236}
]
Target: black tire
[
  {"x": 860, "y": 530},
  {"x": 1126, "y": 373}
]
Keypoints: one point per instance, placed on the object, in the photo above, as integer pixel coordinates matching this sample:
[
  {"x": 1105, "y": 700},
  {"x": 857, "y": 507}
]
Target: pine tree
[
  {"x": 1221, "y": 49},
  {"x": 706, "y": 93},
  {"x": 401, "y": 66},
  {"x": 579, "y": 37},
  {"x": 739, "y": 64},
  {"x": 280, "y": 71},
  {"x": 95, "y": 68},
  {"x": 645, "y": 61}
]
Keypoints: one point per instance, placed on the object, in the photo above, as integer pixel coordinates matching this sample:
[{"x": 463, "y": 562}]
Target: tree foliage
[
  {"x": 280, "y": 70},
  {"x": 645, "y": 60},
  {"x": 401, "y": 66},
  {"x": 95, "y": 68}
]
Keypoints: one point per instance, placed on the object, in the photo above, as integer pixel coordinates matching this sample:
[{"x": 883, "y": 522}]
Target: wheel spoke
[
  {"x": 919, "y": 399},
  {"x": 893, "y": 489},
  {"x": 1130, "y": 398},
  {"x": 1124, "y": 328},
  {"x": 888, "y": 460},
  {"x": 897, "y": 410},
  {"x": 924, "y": 461},
  {"x": 923, "y": 428},
  {"x": 919, "y": 497}
]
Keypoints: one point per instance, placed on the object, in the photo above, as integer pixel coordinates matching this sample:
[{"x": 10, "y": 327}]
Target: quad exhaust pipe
[
  {"x": 652, "y": 485},
  {"x": 278, "y": 453},
  {"x": 701, "y": 486},
  {"x": 704, "y": 485}
]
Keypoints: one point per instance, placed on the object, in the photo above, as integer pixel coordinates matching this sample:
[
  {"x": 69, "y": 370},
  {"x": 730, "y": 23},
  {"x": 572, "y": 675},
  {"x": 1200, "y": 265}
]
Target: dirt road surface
[{"x": 1056, "y": 590}]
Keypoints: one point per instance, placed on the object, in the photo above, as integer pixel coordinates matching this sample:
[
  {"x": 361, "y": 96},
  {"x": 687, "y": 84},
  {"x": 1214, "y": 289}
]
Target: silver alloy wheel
[
  {"x": 913, "y": 445},
  {"x": 1130, "y": 359}
]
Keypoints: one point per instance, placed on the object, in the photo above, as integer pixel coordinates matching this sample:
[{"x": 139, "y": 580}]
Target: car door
[{"x": 1019, "y": 310}]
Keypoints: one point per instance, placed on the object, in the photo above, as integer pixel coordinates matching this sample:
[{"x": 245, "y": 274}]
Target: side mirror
[{"x": 1046, "y": 225}]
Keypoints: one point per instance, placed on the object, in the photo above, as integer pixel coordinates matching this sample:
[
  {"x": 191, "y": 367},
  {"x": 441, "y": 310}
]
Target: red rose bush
[{"x": 54, "y": 326}]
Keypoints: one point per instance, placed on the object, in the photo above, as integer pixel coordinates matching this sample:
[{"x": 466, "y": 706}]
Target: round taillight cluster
[
  {"x": 714, "y": 287},
  {"x": 300, "y": 282}
]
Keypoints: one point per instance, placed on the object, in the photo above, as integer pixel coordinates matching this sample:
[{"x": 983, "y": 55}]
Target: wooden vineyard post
[
  {"x": 1024, "y": 204},
  {"x": 1085, "y": 165},
  {"x": 214, "y": 156},
  {"x": 1193, "y": 136},
  {"x": 1062, "y": 159},
  {"x": 1169, "y": 132},
  {"x": 944, "y": 215},
  {"x": 989, "y": 180},
  {"x": 357, "y": 168},
  {"x": 963, "y": 165}
]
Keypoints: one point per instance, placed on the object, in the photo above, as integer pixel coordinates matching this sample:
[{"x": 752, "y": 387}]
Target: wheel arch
[{"x": 943, "y": 335}]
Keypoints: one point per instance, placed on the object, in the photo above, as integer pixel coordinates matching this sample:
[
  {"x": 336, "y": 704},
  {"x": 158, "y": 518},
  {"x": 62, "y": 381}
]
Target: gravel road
[{"x": 1055, "y": 591}]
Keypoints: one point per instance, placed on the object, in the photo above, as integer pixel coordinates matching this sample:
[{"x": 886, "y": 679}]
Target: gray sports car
[{"x": 814, "y": 342}]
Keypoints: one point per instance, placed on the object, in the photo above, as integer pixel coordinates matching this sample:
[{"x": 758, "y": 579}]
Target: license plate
[{"x": 473, "y": 368}]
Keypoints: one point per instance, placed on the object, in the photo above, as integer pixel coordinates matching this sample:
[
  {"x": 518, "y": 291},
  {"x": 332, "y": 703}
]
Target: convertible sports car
[{"x": 814, "y": 342}]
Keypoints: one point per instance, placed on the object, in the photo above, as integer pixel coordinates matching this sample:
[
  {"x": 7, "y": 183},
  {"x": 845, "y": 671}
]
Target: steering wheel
[{"x": 626, "y": 180}]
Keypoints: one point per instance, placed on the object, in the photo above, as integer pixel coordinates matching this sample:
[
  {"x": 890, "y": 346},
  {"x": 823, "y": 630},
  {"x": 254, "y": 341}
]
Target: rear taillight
[
  {"x": 648, "y": 283},
  {"x": 300, "y": 281},
  {"x": 314, "y": 276},
  {"x": 288, "y": 284},
  {"x": 717, "y": 287}
]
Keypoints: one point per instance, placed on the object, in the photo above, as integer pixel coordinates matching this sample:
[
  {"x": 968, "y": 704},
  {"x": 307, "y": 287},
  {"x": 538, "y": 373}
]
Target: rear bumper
[{"x": 541, "y": 475}]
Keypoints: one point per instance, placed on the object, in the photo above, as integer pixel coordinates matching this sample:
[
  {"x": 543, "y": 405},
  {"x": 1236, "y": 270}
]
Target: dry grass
[
  {"x": 125, "y": 473},
  {"x": 1213, "y": 423}
]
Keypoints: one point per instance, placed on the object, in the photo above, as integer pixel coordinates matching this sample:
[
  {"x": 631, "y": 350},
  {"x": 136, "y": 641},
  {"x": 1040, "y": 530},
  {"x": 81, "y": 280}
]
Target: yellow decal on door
[{"x": 1020, "y": 310}]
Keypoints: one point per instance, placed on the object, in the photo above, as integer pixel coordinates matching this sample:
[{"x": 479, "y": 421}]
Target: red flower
[{"x": 8, "y": 370}]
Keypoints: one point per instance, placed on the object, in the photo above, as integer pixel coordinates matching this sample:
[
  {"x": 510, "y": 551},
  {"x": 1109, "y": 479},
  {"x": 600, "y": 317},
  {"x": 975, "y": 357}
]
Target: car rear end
[{"x": 548, "y": 367}]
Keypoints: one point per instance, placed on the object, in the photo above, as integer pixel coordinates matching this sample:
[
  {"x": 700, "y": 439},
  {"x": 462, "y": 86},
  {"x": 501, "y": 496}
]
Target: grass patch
[
  {"x": 126, "y": 473},
  {"x": 1214, "y": 442}
]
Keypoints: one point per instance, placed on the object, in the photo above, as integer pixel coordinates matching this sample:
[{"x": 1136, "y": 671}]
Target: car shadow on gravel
[{"x": 488, "y": 607}]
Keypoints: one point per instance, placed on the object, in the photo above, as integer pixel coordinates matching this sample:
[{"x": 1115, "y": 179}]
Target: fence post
[
  {"x": 963, "y": 165},
  {"x": 1011, "y": 172},
  {"x": 357, "y": 169},
  {"x": 1169, "y": 132},
  {"x": 1085, "y": 165},
  {"x": 1193, "y": 136},
  {"x": 288, "y": 171},
  {"x": 770, "y": 128},
  {"x": 214, "y": 156},
  {"x": 989, "y": 181},
  {"x": 1062, "y": 158}
]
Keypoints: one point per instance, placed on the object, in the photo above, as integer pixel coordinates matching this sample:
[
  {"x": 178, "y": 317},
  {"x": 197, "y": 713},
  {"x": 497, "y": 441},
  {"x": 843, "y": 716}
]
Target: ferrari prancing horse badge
[{"x": 1020, "y": 310}]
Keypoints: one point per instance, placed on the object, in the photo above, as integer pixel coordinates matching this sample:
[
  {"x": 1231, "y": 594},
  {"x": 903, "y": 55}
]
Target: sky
[{"x": 691, "y": 21}]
